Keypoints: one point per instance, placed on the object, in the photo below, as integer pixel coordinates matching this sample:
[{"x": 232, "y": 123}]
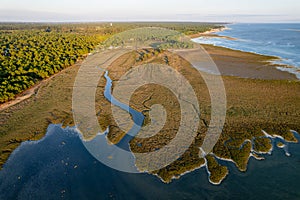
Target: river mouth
[
  {"x": 117, "y": 156},
  {"x": 137, "y": 117}
]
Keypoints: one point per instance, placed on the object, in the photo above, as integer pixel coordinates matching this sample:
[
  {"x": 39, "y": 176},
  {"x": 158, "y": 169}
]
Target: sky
[{"x": 151, "y": 10}]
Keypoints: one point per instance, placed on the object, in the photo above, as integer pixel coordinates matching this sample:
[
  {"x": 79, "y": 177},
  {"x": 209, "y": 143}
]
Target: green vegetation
[
  {"x": 280, "y": 145},
  {"x": 28, "y": 120},
  {"x": 187, "y": 28},
  {"x": 217, "y": 172},
  {"x": 52, "y": 104},
  {"x": 240, "y": 156},
  {"x": 158, "y": 38},
  {"x": 27, "y": 57},
  {"x": 262, "y": 145},
  {"x": 181, "y": 166},
  {"x": 31, "y": 52},
  {"x": 55, "y": 46},
  {"x": 245, "y": 117}
]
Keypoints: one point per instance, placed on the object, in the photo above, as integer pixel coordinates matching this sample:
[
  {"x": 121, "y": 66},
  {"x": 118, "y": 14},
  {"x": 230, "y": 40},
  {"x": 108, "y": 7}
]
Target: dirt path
[
  {"x": 31, "y": 91},
  {"x": 21, "y": 97}
]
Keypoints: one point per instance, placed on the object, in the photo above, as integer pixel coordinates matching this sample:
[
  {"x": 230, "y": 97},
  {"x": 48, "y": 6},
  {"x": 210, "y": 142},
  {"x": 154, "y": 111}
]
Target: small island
[{"x": 280, "y": 145}]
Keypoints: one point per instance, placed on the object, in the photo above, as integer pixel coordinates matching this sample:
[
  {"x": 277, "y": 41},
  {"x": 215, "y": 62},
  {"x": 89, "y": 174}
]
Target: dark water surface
[{"x": 59, "y": 166}]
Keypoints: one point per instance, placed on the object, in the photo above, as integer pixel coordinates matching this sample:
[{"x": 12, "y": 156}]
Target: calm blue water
[
  {"x": 281, "y": 40},
  {"x": 60, "y": 167}
]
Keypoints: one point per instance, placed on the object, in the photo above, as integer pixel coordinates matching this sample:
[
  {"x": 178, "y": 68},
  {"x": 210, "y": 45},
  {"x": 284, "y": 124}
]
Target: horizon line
[{"x": 144, "y": 21}]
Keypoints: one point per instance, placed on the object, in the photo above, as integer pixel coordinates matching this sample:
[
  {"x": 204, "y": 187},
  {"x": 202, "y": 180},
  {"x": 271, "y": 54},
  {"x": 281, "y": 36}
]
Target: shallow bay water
[{"x": 59, "y": 166}]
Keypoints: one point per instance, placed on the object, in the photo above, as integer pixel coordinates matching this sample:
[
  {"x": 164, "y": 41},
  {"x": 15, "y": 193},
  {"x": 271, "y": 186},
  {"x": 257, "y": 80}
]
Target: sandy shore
[
  {"x": 212, "y": 33},
  {"x": 246, "y": 65},
  {"x": 232, "y": 62}
]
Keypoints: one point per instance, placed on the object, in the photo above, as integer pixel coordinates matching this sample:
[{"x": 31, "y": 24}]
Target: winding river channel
[{"x": 60, "y": 167}]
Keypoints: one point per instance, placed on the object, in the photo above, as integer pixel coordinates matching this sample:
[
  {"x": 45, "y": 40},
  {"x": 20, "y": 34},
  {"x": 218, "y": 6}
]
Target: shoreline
[
  {"x": 231, "y": 62},
  {"x": 64, "y": 87},
  {"x": 270, "y": 61},
  {"x": 211, "y": 33},
  {"x": 276, "y": 61},
  {"x": 209, "y": 175}
]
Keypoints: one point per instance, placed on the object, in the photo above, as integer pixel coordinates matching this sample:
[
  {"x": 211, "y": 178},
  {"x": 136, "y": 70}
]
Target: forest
[
  {"x": 31, "y": 52},
  {"x": 30, "y": 56}
]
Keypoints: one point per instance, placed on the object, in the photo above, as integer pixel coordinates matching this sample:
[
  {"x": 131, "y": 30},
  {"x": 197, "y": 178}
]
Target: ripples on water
[{"x": 281, "y": 40}]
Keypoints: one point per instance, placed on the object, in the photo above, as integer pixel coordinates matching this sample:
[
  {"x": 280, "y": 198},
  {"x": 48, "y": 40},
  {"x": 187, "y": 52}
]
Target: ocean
[{"x": 280, "y": 40}]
